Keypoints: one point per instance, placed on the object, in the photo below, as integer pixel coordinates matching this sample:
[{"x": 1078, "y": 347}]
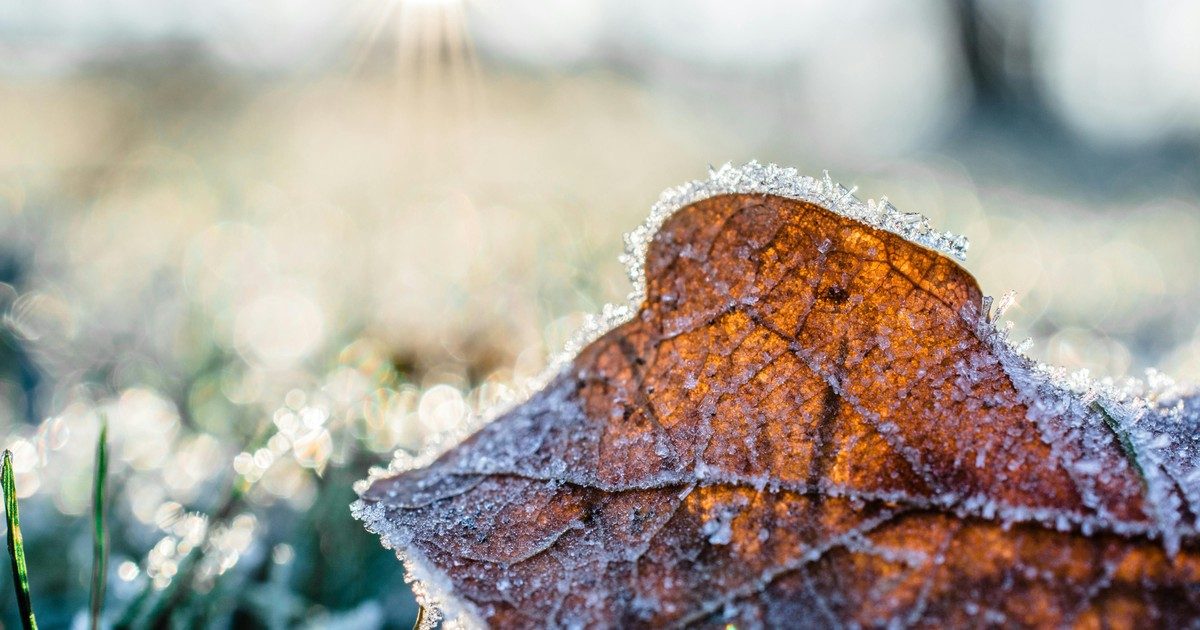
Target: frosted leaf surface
[{"x": 807, "y": 418}]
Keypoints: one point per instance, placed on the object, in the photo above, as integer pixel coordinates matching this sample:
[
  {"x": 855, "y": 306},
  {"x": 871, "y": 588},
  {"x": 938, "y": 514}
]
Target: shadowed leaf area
[{"x": 806, "y": 424}]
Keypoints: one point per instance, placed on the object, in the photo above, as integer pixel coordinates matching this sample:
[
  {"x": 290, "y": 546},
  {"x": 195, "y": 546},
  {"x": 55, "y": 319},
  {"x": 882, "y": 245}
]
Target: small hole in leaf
[{"x": 837, "y": 295}]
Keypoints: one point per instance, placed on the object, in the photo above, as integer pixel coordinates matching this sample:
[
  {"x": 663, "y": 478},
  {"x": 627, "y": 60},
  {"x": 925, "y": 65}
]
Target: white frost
[
  {"x": 431, "y": 587},
  {"x": 1156, "y": 421},
  {"x": 772, "y": 179}
]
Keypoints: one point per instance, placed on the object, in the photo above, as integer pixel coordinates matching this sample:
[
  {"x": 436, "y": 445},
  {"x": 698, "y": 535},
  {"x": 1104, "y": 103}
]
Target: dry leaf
[{"x": 810, "y": 421}]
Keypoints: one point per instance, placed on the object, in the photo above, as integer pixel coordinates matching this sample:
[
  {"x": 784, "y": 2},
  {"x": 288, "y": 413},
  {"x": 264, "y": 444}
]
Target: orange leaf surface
[{"x": 808, "y": 420}]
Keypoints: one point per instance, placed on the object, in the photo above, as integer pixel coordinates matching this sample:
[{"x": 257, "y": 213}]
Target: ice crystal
[
  {"x": 772, "y": 179},
  {"x": 1040, "y": 447}
]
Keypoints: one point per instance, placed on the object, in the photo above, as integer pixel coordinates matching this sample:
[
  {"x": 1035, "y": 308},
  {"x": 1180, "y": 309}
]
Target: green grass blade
[
  {"x": 99, "y": 532},
  {"x": 16, "y": 547}
]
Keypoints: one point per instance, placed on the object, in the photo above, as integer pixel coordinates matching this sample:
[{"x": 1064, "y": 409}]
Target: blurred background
[{"x": 273, "y": 242}]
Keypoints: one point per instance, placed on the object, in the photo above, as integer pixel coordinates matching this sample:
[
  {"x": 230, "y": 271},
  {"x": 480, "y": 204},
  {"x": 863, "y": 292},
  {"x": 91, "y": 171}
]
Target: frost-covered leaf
[{"x": 808, "y": 420}]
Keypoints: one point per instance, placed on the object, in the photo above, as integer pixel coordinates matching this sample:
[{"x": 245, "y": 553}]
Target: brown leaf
[{"x": 809, "y": 422}]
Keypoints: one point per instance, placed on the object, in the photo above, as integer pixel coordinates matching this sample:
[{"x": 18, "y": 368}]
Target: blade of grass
[
  {"x": 16, "y": 547},
  {"x": 99, "y": 533}
]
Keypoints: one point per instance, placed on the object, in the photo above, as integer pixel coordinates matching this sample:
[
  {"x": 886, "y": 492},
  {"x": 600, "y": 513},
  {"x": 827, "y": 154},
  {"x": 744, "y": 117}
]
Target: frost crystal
[
  {"x": 432, "y": 589},
  {"x": 772, "y": 179},
  {"x": 600, "y": 468}
]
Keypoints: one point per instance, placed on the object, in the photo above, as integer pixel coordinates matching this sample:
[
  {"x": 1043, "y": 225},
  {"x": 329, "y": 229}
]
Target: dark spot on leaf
[{"x": 837, "y": 295}]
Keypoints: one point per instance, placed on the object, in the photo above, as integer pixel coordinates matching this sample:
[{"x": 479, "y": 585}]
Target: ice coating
[
  {"x": 754, "y": 178},
  {"x": 433, "y": 591},
  {"x": 772, "y": 179},
  {"x": 750, "y": 178},
  {"x": 792, "y": 396}
]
